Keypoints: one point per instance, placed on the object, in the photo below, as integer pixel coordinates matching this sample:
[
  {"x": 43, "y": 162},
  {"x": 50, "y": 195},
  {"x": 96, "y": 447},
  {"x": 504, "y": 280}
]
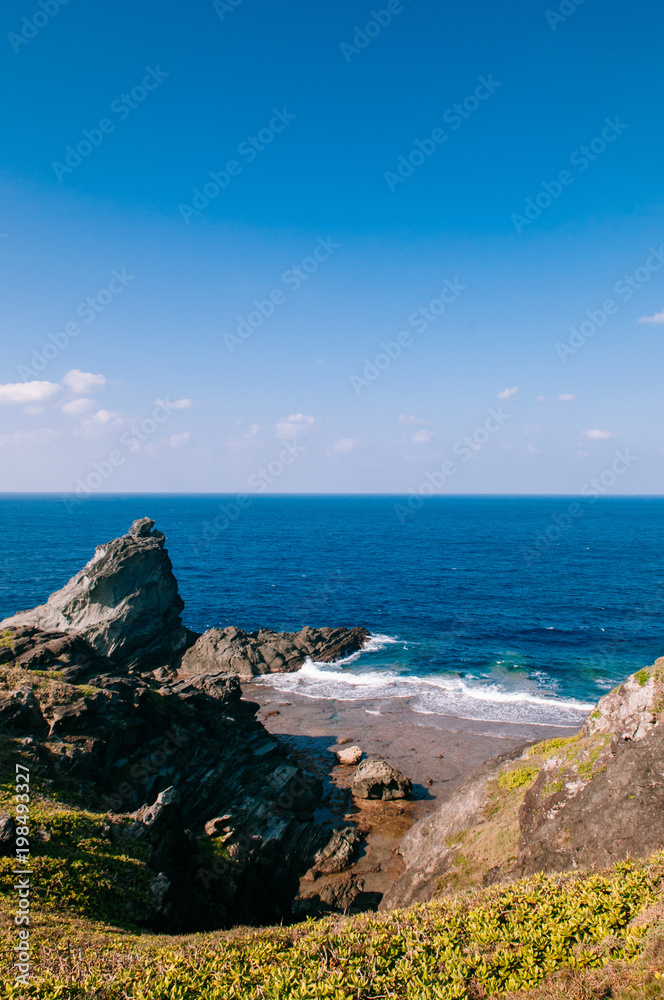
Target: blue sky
[{"x": 533, "y": 206}]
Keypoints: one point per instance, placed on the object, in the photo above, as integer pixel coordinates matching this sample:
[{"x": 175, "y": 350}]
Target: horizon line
[{"x": 257, "y": 496}]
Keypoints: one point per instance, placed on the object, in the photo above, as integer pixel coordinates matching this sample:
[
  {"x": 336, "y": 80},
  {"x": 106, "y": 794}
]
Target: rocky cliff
[
  {"x": 584, "y": 801},
  {"x": 123, "y": 605},
  {"x": 152, "y": 754}
]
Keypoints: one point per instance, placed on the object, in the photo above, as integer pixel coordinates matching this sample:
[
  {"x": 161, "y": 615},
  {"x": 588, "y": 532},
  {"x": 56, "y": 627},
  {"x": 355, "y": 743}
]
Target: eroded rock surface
[
  {"x": 264, "y": 652},
  {"x": 124, "y": 605},
  {"x": 586, "y": 800},
  {"x": 176, "y": 760},
  {"x": 376, "y": 779}
]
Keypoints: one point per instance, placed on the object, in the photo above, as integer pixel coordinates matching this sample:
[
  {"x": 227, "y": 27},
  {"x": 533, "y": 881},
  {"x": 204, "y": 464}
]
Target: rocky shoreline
[
  {"x": 222, "y": 801},
  {"x": 439, "y": 754},
  {"x": 117, "y": 706}
]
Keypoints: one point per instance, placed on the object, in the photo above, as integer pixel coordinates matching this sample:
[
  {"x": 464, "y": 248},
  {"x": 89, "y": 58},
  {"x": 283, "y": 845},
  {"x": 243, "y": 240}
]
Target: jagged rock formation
[
  {"x": 587, "y": 800},
  {"x": 177, "y": 760},
  {"x": 124, "y": 604},
  {"x": 264, "y": 652}
]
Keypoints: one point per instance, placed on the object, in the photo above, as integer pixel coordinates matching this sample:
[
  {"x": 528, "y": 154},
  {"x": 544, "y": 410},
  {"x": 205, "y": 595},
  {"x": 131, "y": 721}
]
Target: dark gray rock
[
  {"x": 339, "y": 853},
  {"x": 345, "y": 895},
  {"x": 179, "y": 752},
  {"x": 376, "y": 779},
  {"x": 124, "y": 604},
  {"x": 7, "y": 835},
  {"x": 264, "y": 652},
  {"x": 20, "y": 711}
]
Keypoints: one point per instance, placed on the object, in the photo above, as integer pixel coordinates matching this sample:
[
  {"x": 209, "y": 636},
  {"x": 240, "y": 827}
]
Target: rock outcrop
[
  {"x": 124, "y": 605},
  {"x": 264, "y": 652},
  {"x": 376, "y": 779},
  {"x": 631, "y": 711},
  {"x": 177, "y": 761},
  {"x": 586, "y": 800}
]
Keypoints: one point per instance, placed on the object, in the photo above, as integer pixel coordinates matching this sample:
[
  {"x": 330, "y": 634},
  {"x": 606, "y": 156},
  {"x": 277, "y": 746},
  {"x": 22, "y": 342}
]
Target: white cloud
[
  {"x": 179, "y": 404},
  {"x": 28, "y": 392},
  {"x": 99, "y": 423},
  {"x": 403, "y": 419},
  {"x": 297, "y": 425},
  {"x": 82, "y": 382},
  {"x": 531, "y": 450},
  {"x": 532, "y": 429},
  {"x": 506, "y": 393},
  {"x": 657, "y": 318},
  {"x": 422, "y": 436},
  {"x": 177, "y": 440},
  {"x": 75, "y": 407},
  {"x": 595, "y": 435},
  {"x": 344, "y": 446},
  {"x": 566, "y": 397},
  {"x": 43, "y": 436},
  {"x": 541, "y": 399},
  {"x": 248, "y": 440}
]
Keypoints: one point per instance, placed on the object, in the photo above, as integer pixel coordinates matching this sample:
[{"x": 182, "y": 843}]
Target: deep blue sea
[{"x": 471, "y": 617}]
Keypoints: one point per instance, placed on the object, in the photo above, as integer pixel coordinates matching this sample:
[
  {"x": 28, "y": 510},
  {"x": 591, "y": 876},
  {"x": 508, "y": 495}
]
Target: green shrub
[{"x": 518, "y": 777}]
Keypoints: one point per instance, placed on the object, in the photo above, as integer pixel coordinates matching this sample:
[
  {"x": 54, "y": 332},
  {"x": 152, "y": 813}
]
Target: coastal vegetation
[{"x": 587, "y": 935}]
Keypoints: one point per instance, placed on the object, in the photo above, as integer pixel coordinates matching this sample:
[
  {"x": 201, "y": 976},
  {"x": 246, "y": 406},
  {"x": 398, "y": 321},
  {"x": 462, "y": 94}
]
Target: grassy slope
[
  {"x": 576, "y": 936},
  {"x": 470, "y": 946}
]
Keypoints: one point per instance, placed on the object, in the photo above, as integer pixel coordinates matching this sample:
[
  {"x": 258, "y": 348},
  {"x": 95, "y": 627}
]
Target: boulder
[
  {"x": 339, "y": 853},
  {"x": 345, "y": 895},
  {"x": 348, "y": 755},
  {"x": 376, "y": 779},
  {"x": 124, "y": 604}
]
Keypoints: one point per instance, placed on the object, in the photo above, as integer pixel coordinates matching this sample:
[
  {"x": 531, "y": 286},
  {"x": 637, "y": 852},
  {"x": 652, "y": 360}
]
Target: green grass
[
  {"x": 642, "y": 676},
  {"x": 481, "y": 944},
  {"x": 7, "y": 640},
  {"x": 77, "y": 869},
  {"x": 519, "y": 777}
]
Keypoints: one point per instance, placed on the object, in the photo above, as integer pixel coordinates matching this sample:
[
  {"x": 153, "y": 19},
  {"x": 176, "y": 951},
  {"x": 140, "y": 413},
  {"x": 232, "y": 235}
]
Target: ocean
[{"x": 512, "y": 609}]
